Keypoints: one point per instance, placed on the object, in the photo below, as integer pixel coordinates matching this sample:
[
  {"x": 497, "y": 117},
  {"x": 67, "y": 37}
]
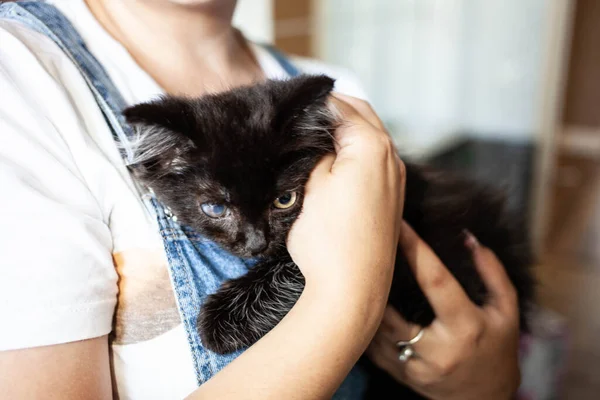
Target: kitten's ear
[
  {"x": 173, "y": 113},
  {"x": 306, "y": 92},
  {"x": 303, "y": 114},
  {"x": 162, "y": 141}
]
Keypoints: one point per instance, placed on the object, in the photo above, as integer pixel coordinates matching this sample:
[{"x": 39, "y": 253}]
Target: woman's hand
[
  {"x": 468, "y": 352},
  {"x": 346, "y": 236}
]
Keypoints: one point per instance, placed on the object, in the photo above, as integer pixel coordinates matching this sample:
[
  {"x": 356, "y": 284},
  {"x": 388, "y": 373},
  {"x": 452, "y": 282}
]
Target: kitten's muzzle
[{"x": 256, "y": 242}]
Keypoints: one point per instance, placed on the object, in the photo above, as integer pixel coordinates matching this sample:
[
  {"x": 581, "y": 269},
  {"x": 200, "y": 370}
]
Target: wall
[
  {"x": 404, "y": 53},
  {"x": 293, "y": 26},
  {"x": 255, "y": 19},
  {"x": 583, "y": 87},
  {"x": 502, "y": 61},
  {"x": 439, "y": 69}
]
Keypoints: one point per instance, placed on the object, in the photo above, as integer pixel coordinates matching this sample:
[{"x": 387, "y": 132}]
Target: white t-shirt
[{"x": 79, "y": 255}]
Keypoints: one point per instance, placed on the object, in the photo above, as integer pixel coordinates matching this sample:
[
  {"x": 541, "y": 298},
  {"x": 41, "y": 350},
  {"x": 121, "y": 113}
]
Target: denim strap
[{"x": 283, "y": 60}]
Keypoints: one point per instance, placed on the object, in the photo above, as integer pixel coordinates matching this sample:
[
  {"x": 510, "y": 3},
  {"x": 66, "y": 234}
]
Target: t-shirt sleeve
[{"x": 57, "y": 279}]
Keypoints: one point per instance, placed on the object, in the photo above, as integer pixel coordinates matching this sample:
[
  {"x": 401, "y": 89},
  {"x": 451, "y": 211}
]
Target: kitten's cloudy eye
[
  {"x": 285, "y": 201},
  {"x": 213, "y": 210}
]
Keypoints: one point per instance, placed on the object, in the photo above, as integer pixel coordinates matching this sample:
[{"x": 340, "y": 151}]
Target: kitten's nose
[{"x": 256, "y": 242}]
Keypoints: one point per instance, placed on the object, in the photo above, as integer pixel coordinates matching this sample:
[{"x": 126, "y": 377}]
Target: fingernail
[{"x": 470, "y": 241}]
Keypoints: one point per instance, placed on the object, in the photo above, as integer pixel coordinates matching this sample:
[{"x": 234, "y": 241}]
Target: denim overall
[{"x": 197, "y": 266}]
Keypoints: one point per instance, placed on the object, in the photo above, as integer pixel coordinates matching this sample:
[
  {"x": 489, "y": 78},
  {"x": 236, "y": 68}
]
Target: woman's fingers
[
  {"x": 395, "y": 328},
  {"x": 417, "y": 370},
  {"x": 447, "y": 298},
  {"x": 361, "y": 107},
  {"x": 321, "y": 171},
  {"x": 467, "y": 352},
  {"x": 357, "y": 114},
  {"x": 502, "y": 293}
]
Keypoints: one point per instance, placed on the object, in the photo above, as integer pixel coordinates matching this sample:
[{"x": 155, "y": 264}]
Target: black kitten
[{"x": 233, "y": 166}]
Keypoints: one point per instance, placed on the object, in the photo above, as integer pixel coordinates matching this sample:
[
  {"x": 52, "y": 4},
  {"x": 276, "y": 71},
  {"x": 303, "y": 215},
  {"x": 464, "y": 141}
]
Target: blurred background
[{"x": 507, "y": 91}]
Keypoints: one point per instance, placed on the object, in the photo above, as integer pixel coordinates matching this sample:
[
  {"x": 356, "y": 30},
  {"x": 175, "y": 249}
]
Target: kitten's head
[{"x": 233, "y": 165}]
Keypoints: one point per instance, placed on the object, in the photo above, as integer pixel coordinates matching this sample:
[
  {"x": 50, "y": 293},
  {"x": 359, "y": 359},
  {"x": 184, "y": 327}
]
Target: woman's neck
[{"x": 186, "y": 49}]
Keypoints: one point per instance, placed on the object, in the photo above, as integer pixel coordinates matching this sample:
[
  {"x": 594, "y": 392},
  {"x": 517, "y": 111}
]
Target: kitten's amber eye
[
  {"x": 213, "y": 210},
  {"x": 285, "y": 201}
]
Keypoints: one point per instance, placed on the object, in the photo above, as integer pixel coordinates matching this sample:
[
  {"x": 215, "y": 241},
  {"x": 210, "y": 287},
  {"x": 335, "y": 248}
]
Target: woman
[{"x": 93, "y": 305}]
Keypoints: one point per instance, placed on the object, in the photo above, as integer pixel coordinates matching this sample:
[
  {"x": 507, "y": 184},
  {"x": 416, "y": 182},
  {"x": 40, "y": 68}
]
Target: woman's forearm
[{"x": 308, "y": 354}]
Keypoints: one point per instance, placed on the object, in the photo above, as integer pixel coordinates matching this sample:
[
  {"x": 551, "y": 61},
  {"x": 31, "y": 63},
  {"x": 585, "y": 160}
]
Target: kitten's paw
[
  {"x": 221, "y": 328},
  {"x": 244, "y": 309}
]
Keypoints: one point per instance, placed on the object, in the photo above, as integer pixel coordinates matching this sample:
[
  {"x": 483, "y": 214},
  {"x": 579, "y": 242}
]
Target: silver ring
[
  {"x": 405, "y": 354},
  {"x": 406, "y": 351},
  {"x": 402, "y": 343}
]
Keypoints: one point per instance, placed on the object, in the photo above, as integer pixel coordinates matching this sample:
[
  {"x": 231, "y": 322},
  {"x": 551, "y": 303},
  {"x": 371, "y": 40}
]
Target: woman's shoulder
[{"x": 347, "y": 82}]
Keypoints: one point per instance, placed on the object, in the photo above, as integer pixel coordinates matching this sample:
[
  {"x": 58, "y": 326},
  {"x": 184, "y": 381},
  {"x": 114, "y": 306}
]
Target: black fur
[{"x": 246, "y": 147}]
